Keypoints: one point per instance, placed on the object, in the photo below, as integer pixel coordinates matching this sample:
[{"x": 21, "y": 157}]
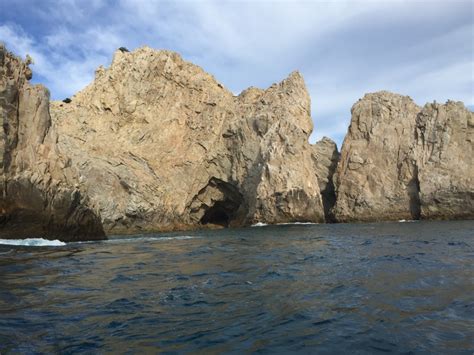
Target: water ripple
[{"x": 344, "y": 288}]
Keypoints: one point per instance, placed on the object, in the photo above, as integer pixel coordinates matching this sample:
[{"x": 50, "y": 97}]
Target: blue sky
[{"x": 344, "y": 49}]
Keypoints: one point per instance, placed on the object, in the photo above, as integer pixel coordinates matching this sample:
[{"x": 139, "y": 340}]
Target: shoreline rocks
[{"x": 154, "y": 143}]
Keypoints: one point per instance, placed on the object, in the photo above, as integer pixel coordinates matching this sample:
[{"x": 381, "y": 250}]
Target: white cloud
[
  {"x": 16, "y": 40},
  {"x": 56, "y": 61}
]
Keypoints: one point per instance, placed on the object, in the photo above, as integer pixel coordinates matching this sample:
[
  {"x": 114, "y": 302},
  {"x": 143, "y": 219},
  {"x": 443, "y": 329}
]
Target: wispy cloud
[{"x": 343, "y": 48}]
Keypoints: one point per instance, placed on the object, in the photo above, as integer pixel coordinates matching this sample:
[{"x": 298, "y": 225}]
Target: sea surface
[{"x": 327, "y": 289}]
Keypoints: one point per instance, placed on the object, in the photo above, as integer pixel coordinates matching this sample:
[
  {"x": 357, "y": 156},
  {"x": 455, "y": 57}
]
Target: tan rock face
[
  {"x": 277, "y": 174},
  {"x": 399, "y": 161},
  {"x": 375, "y": 177},
  {"x": 159, "y": 145},
  {"x": 36, "y": 200},
  {"x": 444, "y": 144}
]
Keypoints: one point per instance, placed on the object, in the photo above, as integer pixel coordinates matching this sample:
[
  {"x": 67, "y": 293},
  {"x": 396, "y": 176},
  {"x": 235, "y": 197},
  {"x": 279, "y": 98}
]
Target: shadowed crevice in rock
[
  {"x": 326, "y": 158},
  {"x": 413, "y": 189},
  {"x": 329, "y": 193}
]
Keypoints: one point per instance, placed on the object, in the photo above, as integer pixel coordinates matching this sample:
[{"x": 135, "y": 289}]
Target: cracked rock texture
[
  {"x": 444, "y": 139},
  {"x": 160, "y": 145},
  {"x": 400, "y": 161},
  {"x": 37, "y": 197}
]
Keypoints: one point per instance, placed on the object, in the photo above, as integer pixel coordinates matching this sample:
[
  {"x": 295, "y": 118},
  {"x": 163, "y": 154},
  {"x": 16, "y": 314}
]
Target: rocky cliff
[
  {"x": 154, "y": 143},
  {"x": 401, "y": 161},
  {"x": 444, "y": 140},
  {"x": 36, "y": 197}
]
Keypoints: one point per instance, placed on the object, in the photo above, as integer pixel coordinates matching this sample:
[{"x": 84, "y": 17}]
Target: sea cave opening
[
  {"x": 223, "y": 211},
  {"x": 219, "y": 214}
]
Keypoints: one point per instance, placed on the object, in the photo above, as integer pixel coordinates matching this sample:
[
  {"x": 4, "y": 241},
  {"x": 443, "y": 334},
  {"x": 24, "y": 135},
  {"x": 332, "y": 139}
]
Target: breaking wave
[
  {"x": 295, "y": 223},
  {"x": 32, "y": 242},
  {"x": 260, "y": 224}
]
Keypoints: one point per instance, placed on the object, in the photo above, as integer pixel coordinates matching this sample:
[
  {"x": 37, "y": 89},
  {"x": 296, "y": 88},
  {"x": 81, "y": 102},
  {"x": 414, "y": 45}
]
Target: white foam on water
[
  {"x": 32, "y": 242},
  {"x": 259, "y": 224},
  {"x": 295, "y": 223},
  {"x": 406, "y": 220}
]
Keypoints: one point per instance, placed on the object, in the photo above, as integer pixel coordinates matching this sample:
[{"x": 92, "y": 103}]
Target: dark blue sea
[{"x": 403, "y": 288}]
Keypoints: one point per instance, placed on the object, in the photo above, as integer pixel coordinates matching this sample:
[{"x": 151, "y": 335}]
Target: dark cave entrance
[
  {"x": 220, "y": 214},
  {"x": 222, "y": 210}
]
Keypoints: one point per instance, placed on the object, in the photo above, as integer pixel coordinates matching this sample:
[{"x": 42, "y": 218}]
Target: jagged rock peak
[
  {"x": 13, "y": 66},
  {"x": 387, "y": 98}
]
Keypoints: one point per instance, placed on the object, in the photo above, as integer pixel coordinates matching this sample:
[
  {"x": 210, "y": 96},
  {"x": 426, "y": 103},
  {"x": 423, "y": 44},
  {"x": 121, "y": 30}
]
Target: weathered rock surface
[
  {"x": 444, "y": 144},
  {"x": 36, "y": 199},
  {"x": 160, "y": 145},
  {"x": 375, "y": 178},
  {"x": 399, "y": 161},
  {"x": 326, "y": 158}
]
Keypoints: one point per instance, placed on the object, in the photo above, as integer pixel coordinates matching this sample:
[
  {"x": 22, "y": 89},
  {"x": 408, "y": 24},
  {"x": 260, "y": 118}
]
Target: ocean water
[{"x": 341, "y": 288}]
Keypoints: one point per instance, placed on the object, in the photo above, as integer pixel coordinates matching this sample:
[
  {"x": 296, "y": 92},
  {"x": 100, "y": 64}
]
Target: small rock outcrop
[
  {"x": 326, "y": 158},
  {"x": 36, "y": 200},
  {"x": 399, "y": 161}
]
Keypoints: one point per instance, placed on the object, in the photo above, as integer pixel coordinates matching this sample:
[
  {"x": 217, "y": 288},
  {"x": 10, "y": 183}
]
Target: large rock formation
[
  {"x": 156, "y": 143},
  {"x": 36, "y": 198},
  {"x": 399, "y": 161}
]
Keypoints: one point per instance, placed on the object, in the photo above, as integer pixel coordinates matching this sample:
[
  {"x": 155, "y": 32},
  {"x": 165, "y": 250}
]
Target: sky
[{"x": 344, "y": 49}]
